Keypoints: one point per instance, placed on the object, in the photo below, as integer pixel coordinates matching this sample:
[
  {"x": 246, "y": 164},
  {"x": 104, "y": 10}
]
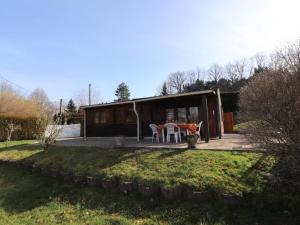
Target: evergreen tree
[
  {"x": 122, "y": 93},
  {"x": 164, "y": 90},
  {"x": 71, "y": 113},
  {"x": 71, "y": 107},
  {"x": 198, "y": 85}
]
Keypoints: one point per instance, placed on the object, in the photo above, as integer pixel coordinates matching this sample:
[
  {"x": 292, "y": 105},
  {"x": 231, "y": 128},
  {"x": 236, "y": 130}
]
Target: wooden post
[
  {"x": 140, "y": 111},
  {"x": 206, "y": 120},
  {"x": 84, "y": 124},
  {"x": 137, "y": 121},
  {"x": 219, "y": 114}
]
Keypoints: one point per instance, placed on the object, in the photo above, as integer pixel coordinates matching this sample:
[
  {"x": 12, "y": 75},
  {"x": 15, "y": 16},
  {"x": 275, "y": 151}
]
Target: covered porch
[{"x": 132, "y": 118}]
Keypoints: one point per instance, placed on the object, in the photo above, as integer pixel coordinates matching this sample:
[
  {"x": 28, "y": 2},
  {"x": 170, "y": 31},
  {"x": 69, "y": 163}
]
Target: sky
[{"x": 63, "y": 45}]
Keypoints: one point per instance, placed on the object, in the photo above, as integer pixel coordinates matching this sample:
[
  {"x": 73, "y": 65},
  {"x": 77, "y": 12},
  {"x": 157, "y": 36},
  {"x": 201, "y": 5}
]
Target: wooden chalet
[{"x": 132, "y": 118}]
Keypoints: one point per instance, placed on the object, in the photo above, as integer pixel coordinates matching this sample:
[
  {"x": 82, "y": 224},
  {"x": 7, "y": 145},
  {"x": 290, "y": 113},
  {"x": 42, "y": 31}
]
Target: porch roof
[{"x": 137, "y": 100}]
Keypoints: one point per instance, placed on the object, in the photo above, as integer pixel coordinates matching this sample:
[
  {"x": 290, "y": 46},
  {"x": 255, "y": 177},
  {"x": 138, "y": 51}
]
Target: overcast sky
[{"x": 63, "y": 45}]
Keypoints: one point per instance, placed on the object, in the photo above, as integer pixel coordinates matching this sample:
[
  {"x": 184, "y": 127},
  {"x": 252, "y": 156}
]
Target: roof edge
[{"x": 150, "y": 99}]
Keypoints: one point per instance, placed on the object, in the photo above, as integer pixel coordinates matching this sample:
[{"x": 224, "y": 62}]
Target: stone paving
[{"x": 228, "y": 142}]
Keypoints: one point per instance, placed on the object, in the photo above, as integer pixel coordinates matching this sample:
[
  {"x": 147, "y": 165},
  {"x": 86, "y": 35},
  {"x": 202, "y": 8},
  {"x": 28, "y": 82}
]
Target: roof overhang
[{"x": 149, "y": 99}]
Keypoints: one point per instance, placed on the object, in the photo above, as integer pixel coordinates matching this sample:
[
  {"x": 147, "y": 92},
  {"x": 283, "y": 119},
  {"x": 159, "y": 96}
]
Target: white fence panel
[{"x": 67, "y": 131}]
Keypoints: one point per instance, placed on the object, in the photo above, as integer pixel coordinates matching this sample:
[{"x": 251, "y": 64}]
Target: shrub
[
  {"x": 26, "y": 131},
  {"x": 271, "y": 101},
  {"x": 47, "y": 131}
]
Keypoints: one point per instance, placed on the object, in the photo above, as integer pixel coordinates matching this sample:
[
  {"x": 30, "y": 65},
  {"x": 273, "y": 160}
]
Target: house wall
[
  {"x": 123, "y": 120},
  {"x": 230, "y": 103},
  {"x": 155, "y": 112}
]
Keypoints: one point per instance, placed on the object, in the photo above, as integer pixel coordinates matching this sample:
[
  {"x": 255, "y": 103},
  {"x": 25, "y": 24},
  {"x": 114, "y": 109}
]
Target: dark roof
[{"x": 150, "y": 98}]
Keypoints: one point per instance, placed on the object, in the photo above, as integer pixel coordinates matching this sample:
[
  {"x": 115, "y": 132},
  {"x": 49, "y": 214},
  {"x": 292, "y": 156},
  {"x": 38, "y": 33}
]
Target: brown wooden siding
[
  {"x": 124, "y": 119},
  {"x": 123, "y": 122}
]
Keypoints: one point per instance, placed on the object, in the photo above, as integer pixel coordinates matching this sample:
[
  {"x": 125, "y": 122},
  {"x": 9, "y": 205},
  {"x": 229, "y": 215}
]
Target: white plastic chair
[
  {"x": 171, "y": 131},
  {"x": 198, "y": 129},
  {"x": 154, "y": 129}
]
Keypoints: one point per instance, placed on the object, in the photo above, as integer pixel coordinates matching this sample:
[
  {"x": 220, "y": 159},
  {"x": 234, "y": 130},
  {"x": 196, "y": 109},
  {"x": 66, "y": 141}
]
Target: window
[
  {"x": 120, "y": 117},
  {"x": 181, "y": 115},
  {"x": 96, "y": 117},
  {"x": 102, "y": 117},
  {"x": 106, "y": 116},
  {"x": 130, "y": 117},
  {"x": 170, "y": 115},
  {"x": 194, "y": 115},
  {"x": 125, "y": 115}
]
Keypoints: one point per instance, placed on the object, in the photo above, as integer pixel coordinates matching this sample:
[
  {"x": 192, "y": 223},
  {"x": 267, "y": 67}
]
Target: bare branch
[
  {"x": 215, "y": 72},
  {"x": 176, "y": 81}
]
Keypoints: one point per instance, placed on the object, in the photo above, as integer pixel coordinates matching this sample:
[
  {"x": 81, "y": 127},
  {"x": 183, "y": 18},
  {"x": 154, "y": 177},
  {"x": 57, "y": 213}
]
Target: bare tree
[
  {"x": 200, "y": 74},
  {"x": 191, "y": 76},
  {"x": 177, "y": 80},
  {"x": 40, "y": 97},
  {"x": 287, "y": 58},
  {"x": 215, "y": 72},
  {"x": 276, "y": 62},
  {"x": 81, "y": 97},
  {"x": 232, "y": 75},
  {"x": 271, "y": 105},
  {"x": 260, "y": 60},
  {"x": 10, "y": 128},
  {"x": 6, "y": 87},
  {"x": 47, "y": 131},
  {"x": 241, "y": 68},
  {"x": 290, "y": 56}
]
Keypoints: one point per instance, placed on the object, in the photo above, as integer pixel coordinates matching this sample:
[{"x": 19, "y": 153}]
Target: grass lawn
[
  {"x": 16, "y": 143},
  {"x": 225, "y": 172},
  {"x": 27, "y": 198}
]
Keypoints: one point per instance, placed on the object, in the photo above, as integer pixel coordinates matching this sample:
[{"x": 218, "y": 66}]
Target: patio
[
  {"x": 132, "y": 118},
  {"x": 230, "y": 142}
]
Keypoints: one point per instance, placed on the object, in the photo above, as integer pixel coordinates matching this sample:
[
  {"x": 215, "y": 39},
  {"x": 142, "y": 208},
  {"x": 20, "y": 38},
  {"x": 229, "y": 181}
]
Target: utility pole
[
  {"x": 60, "y": 108},
  {"x": 90, "y": 98}
]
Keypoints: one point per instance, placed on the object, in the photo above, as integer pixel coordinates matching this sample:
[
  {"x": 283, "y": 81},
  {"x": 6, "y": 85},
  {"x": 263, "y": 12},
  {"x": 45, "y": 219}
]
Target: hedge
[{"x": 26, "y": 131}]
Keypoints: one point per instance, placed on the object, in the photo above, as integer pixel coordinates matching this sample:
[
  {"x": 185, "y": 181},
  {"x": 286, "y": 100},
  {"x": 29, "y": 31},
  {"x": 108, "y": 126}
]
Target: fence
[{"x": 67, "y": 131}]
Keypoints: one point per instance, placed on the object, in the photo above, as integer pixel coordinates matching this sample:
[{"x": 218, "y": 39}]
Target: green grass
[
  {"x": 200, "y": 170},
  {"x": 32, "y": 199},
  {"x": 27, "y": 198},
  {"x": 227, "y": 172},
  {"x": 17, "y": 150},
  {"x": 16, "y": 143}
]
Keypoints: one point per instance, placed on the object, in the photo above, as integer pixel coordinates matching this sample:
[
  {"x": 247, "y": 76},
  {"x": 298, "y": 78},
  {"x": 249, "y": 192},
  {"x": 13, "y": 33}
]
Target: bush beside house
[{"x": 27, "y": 128}]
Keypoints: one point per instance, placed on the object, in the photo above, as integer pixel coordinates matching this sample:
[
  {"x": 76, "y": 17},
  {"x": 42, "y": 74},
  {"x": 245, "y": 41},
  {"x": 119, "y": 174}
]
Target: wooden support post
[
  {"x": 140, "y": 112},
  {"x": 84, "y": 124},
  {"x": 137, "y": 121},
  {"x": 206, "y": 120},
  {"x": 219, "y": 114}
]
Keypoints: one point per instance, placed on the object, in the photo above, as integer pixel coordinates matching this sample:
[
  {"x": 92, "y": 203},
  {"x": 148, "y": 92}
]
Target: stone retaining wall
[{"x": 128, "y": 187}]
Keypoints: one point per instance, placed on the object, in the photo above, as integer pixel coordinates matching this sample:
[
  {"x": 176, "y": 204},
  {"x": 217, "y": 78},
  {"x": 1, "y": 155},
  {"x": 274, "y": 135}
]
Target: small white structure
[{"x": 67, "y": 131}]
